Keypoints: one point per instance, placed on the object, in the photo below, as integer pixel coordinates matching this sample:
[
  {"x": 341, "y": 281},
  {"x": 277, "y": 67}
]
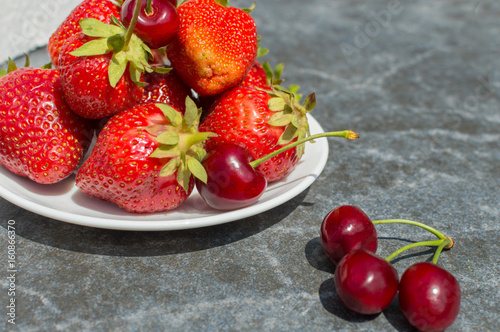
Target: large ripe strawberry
[
  {"x": 264, "y": 121},
  {"x": 215, "y": 46},
  {"x": 40, "y": 137},
  {"x": 166, "y": 88},
  {"x": 101, "y": 10},
  {"x": 145, "y": 158},
  {"x": 101, "y": 69}
]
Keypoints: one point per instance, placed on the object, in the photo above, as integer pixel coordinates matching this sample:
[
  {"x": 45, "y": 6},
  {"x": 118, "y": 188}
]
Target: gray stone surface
[{"x": 423, "y": 92}]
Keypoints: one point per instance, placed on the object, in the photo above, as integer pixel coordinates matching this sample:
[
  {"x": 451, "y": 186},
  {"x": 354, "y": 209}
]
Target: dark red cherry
[
  {"x": 157, "y": 27},
  {"x": 345, "y": 229},
  {"x": 366, "y": 283},
  {"x": 232, "y": 182},
  {"x": 429, "y": 296}
]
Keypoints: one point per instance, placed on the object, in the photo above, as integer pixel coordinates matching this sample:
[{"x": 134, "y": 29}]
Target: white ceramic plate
[{"x": 63, "y": 201}]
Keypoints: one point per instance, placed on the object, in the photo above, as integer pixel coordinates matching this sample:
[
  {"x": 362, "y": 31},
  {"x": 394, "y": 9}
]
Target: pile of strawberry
[{"x": 162, "y": 85}]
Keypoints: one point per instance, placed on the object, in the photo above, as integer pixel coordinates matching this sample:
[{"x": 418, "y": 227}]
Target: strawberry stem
[
  {"x": 133, "y": 22},
  {"x": 348, "y": 134}
]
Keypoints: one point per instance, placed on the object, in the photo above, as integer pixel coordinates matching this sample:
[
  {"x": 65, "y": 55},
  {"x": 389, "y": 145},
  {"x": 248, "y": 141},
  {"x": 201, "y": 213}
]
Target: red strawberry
[
  {"x": 260, "y": 76},
  {"x": 215, "y": 46},
  {"x": 167, "y": 89},
  {"x": 99, "y": 82},
  {"x": 144, "y": 158},
  {"x": 257, "y": 77},
  {"x": 264, "y": 122},
  {"x": 101, "y": 10},
  {"x": 40, "y": 137}
]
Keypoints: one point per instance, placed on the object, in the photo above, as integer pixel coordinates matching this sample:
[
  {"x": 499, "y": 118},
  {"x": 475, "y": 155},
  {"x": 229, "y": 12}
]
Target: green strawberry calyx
[
  {"x": 127, "y": 49},
  {"x": 181, "y": 142},
  {"x": 225, "y": 3},
  {"x": 273, "y": 77},
  {"x": 12, "y": 66},
  {"x": 289, "y": 113}
]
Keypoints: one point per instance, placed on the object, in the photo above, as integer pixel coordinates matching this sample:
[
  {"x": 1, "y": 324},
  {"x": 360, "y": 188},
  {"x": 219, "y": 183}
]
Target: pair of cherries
[{"x": 366, "y": 283}]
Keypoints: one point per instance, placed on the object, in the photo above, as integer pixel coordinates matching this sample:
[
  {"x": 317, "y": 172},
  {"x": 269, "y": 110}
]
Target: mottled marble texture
[{"x": 422, "y": 92}]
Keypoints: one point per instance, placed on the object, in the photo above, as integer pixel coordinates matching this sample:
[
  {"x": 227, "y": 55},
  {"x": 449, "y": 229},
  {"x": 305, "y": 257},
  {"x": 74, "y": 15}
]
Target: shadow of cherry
[{"x": 332, "y": 303}]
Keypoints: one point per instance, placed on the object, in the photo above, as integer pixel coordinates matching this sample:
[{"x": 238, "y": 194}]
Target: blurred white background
[{"x": 26, "y": 25}]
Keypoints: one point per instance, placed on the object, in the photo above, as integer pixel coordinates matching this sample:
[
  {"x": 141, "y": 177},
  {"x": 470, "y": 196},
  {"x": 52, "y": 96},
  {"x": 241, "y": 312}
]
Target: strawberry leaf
[
  {"x": 171, "y": 114},
  {"x": 192, "y": 114},
  {"x": 288, "y": 135},
  {"x": 183, "y": 178},
  {"x": 300, "y": 150},
  {"x": 295, "y": 120},
  {"x": 165, "y": 151},
  {"x": 117, "y": 67},
  {"x": 197, "y": 169},
  {"x": 223, "y": 3},
  {"x": 168, "y": 137},
  {"x": 310, "y": 102},
  {"x": 170, "y": 167},
  {"x": 260, "y": 50},
  {"x": 155, "y": 130},
  {"x": 95, "y": 28},
  {"x": 117, "y": 22},
  {"x": 27, "y": 62},
  {"x": 136, "y": 75},
  {"x": 161, "y": 70},
  {"x": 276, "y": 104},
  {"x": 11, "y": 66},
  {"x": 278, "y": 71},
  {"x": 116, "y": 42},
  {"x": 280, "y": 119},
  {"x": 249, "y": 10},
  {"x": 93, "y": 47},
  {"x": 268, "y": 70}
]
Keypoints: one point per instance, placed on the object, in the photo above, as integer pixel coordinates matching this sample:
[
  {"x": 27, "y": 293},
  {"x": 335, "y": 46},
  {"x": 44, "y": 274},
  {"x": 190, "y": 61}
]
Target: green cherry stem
[
  {"x": 445, "y": 244},
  {"x": 434, "y": 231},
  {"x": 348, "y": 134},
  {"x": 133, "y": 22},
  {"x": 443, "y": 241},
  {"x": 414, "y": 245}
]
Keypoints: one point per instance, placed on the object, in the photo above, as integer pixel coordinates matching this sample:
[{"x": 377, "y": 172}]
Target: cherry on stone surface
[
  {"x": 232, "y": 182},
  {"x": 346, "y": 229},
  {"x": 366, "y": 283},
  {"x": 156, "y": 27},
  {"x": 429, "y": 296}
]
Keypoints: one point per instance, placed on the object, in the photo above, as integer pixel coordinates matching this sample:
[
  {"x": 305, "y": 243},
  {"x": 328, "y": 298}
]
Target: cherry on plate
[
  {"x": 155, "y": 27},
  {"x": 232, "y": 182}
]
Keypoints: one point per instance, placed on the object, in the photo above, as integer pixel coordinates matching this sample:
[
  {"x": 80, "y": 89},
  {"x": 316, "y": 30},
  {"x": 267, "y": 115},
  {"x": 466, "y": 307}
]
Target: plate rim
[{"x": 180, "y": 224}]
